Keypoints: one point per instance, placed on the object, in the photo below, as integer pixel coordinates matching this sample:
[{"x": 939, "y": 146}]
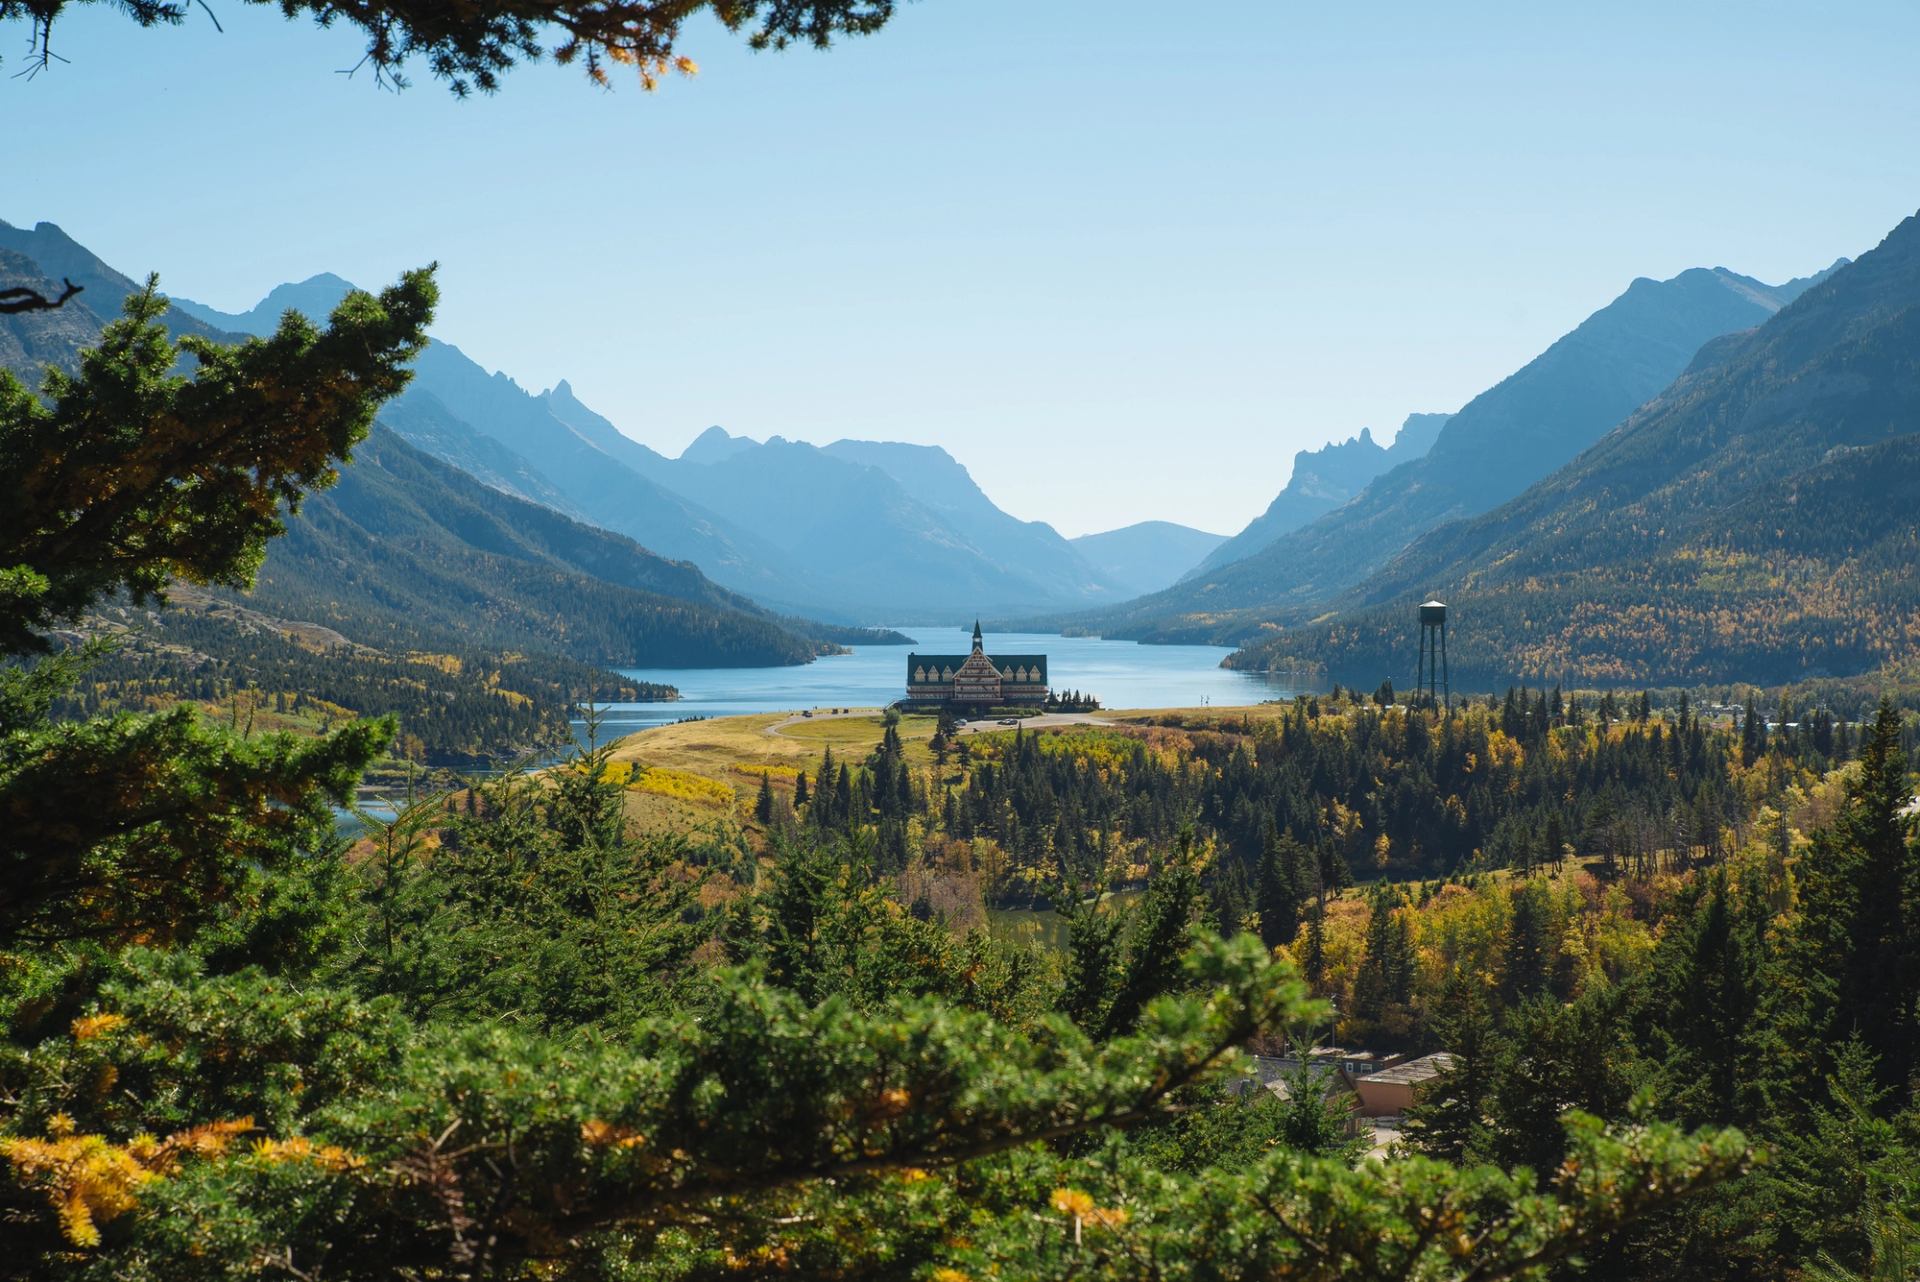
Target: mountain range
[
  {"x": 855, "y": 530},
  {"x": 1758, "y": 520},
  {"x": 1148, "y": 555},
  {"x": 1321, "y": 481},
  {"x": 1500, "y": 442},
  {"x": 1708, "y": 477}
]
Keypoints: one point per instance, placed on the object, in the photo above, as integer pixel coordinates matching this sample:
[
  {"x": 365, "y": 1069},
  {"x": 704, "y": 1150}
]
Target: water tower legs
[{"x": 1434, "y": 678}]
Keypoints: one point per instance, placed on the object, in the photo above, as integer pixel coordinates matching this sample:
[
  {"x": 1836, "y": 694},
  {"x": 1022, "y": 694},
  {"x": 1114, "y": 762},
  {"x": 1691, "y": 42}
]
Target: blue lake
[{"x": 1121, "y": 674}]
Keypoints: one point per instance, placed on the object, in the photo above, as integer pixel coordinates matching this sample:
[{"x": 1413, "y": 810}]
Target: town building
[
  {"x": 1391, "y": 1091},
  {"x": 1374, "y": 1091},
  {"x": 977, "y": 680}
]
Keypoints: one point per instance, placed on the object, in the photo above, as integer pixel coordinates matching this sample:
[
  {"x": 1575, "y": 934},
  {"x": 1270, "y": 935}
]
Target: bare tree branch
[{"x": 22, "y": 299}]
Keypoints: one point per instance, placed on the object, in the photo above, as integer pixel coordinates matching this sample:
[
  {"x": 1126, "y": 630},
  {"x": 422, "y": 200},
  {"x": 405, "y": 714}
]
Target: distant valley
[
  {"x": 853, "y": 531},
  {"x": 484, "y": 518},
  {"x": 1149, "y": 555},
  {"x": 1758, "y": 520},
  {"x": 412, "y": 585}
]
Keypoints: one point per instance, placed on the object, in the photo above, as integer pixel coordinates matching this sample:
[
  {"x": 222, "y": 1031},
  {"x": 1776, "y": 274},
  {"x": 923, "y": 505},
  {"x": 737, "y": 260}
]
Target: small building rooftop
[{"x": 1414, "y": 1071}]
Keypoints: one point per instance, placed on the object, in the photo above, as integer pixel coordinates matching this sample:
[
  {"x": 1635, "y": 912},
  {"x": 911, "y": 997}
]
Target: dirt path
[
  {"x": 772, "y": 730},
  {"x": 1041, "y": 722},
  {"x": 986, "y": 726}
]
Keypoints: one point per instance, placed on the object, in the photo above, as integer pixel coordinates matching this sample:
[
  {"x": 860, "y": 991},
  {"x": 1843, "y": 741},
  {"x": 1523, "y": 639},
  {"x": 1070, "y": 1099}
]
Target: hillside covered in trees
[
  {"x": 1755, "y": 522},
  {"x": 503, "y": 1037},
  {"x": 1347, "y": 790},
  {"x": 518, "y": 610},
  {"x": 1601, "y": 905},
  {"x": 1508, "y": 437}
]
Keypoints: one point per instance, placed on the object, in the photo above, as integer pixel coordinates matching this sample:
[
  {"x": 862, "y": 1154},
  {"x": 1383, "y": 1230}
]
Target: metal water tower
[{"x": 1433, "y": 676}]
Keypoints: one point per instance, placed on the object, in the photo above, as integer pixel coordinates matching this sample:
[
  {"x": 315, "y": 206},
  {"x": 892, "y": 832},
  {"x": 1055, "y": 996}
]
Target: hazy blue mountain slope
[
  {"x": 568, "y": 457},
  {"x": 797, "y": 527},
  {"x": 1321, "y": 481},
  {"x": 1504, "y": 439},
  {"x": 60, "y": 256},
  {"x": 607, "y": 491},
  {"x": 1759, "y": 521},
  {"x": 315, "y": 298},
  {"x": 1148, "y": 555},
  {"x": 870, "y": 546},
  {"x": 406, "y": 551},
  {"x": 430, "y": 426},
  {"x": 598, "y": 431},
  {"x": 937, "y": 479},
  {"x": 31, "y": 341},
  {"x": 715, "y": 444}
]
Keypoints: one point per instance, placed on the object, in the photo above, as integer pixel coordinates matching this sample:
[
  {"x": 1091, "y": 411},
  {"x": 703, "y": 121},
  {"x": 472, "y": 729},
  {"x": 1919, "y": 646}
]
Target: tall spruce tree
[
  {"x": 1861, "y": 920},
  {"x": 1278, "y": 891},
  {"x": 1450, "y": 1116}
]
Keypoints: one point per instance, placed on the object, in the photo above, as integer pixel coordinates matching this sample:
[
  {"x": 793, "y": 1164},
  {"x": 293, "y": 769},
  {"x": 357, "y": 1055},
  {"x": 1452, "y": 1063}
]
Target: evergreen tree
[
  {"x": 123, "y": 477},
  {"x": 1157, "y": 935},
  {"x": 1449, "y": 1119},
  {"x": 843, "y": 796},
  {"x": 1861, "y": 921},
  {"x": 1385, "y": 965},
  {"x": 1704, "y": 997},
  {"x": 1313, "y": 962},
  {"x": 1093, "y": 960},
  {"x": 1557, "y": 1056},
  {"x": 1278, "y": 890},
  {"x": 1528, "y": 953},
  {"x": 1753, "y": 732}
]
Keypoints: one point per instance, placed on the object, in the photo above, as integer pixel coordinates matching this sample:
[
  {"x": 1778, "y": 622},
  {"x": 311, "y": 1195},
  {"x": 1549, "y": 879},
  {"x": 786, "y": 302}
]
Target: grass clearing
[
  {"x": 1193, "y": 717},
  {"x": 735, "y": 750}
]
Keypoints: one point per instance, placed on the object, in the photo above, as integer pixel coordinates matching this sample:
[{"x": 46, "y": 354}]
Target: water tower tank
[{"x": 1433, "y": 612}]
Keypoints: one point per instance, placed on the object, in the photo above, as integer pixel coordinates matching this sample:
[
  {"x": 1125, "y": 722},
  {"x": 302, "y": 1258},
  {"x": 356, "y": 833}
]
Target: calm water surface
[{"x": 1121, "y": 674}]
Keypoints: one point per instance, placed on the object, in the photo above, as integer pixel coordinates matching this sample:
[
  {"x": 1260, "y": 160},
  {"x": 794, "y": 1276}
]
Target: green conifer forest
[{"x": 1081, "y": 996}]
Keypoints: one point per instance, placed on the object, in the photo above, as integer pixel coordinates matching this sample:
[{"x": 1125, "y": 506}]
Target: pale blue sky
[{"x": 1121, "y": 268}]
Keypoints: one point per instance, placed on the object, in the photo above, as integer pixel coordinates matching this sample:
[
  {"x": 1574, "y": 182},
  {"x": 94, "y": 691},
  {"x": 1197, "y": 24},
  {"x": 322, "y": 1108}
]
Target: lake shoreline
[{"x": 1125, "y": 674}]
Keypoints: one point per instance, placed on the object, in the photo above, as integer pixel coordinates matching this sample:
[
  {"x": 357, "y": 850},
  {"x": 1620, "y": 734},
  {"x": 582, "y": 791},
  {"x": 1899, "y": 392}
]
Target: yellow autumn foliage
[
  {"x": 1085, "y": 1211},
  {"x": 298, "y": 1148},
  {"x": 683, "y": 785},
  {"x": 595, "y": 1133},
  {"x": 88, "y": 1180},
  {"x": 88, "y": 1027},
  {"x": 780, "y": 774},
  {"x": 1072, "y": 1202}
]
